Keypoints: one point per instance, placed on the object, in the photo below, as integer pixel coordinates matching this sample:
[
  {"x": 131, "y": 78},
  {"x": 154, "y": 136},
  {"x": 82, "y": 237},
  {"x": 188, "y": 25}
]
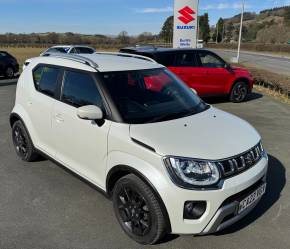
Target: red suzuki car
[{"x": 201, "y": 70}]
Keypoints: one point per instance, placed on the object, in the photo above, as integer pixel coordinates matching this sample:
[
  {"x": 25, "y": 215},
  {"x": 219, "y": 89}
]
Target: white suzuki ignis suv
[{"x": 170, "y": 162}]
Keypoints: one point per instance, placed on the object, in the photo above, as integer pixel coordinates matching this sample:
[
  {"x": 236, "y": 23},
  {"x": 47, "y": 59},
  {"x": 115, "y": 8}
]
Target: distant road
[{"x": 273, "y": 64}]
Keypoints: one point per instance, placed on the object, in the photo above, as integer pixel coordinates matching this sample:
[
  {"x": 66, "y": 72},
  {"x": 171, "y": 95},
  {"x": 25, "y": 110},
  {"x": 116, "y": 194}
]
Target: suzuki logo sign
[
  {"x": 186, "y": 15},
  {"x": 185, "y": 23}
]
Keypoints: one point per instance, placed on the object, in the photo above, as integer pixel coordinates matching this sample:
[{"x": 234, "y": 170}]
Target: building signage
[{"x": 185, "y": 23}]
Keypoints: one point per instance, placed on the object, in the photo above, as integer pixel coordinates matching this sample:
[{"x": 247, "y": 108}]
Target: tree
[
  {"x": 167, "y": 30},
  {"x": 229, "y": 29},
  {"x": 204, "y": 29},
  {"x": 287, "y": 15},
  {"x": 53, "y": 38},
  {"x": 219, "y": 31},
  {"x": 145, "y": 37},
  {"x": 123, "y": 37}
]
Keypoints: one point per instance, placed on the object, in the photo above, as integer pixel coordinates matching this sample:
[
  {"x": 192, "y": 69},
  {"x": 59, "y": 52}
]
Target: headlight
[{"x": 192, "y": 173}]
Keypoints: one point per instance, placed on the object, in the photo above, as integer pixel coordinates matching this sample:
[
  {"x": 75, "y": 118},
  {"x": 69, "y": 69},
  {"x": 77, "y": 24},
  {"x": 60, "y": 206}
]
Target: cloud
[
  {"x": 224, "y": 6},
  {"x": 155, "y": 10}
]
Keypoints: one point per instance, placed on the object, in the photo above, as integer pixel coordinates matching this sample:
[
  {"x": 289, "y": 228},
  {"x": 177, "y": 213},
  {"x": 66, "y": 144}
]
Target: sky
[{"x": 108, "y": 16}]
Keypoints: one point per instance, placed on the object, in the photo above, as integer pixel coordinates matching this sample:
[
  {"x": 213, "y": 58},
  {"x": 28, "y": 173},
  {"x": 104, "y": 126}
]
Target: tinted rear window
[
  {"x": 45, "y": 79},
  {"x": 166, "y": 59}
]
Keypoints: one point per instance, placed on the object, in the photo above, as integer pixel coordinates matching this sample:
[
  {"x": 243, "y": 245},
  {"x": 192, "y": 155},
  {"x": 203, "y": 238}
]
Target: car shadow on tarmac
[
  {"x": 224, "y": 99},
  {"x": 276, "y": 181}
]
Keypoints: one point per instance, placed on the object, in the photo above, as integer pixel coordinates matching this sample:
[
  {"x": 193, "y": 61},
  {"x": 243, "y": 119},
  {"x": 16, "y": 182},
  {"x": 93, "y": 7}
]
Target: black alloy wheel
[
  {"x": 22, "y": 142},
  {"x": 9, "y": 73},
  {"x": 239, "y": 92},
  {"x": 138, "y": 211},
  {"x": 134, "y": 211}
]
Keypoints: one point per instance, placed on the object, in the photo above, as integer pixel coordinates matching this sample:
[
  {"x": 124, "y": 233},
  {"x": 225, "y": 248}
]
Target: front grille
[{"x": 242, "y": 162}]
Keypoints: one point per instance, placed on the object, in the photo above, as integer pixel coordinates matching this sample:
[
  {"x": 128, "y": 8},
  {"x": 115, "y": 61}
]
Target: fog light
[{"x": 193, "y": 210}]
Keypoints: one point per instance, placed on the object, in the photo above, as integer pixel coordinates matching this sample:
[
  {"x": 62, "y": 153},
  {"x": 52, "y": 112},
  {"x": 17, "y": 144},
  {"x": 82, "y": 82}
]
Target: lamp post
[{"x": 241, "y": 30}]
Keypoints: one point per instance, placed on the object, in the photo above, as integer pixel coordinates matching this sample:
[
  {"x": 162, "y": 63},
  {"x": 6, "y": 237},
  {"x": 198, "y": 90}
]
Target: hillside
[{"x": 268, "y": 26}]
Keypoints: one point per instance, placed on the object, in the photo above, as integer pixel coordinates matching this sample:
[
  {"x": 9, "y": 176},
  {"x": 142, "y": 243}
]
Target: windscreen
[{"x": 148, "y": 96}]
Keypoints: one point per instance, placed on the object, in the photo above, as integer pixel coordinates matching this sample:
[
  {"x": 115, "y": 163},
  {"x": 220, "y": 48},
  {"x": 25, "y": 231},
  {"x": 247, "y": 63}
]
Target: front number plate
[{"x": 252, "y": 198}]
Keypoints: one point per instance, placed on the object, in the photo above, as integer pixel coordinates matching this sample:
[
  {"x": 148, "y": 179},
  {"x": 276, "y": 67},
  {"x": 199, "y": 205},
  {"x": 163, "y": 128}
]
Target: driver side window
[
  {"x": 210, "y": 60},
  {"x": 79, "y": 89}
]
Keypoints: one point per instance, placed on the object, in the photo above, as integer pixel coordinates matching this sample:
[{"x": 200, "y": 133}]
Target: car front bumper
[
  {"x": 228, "y": 214},
  {"x": 222, "y": 204}
]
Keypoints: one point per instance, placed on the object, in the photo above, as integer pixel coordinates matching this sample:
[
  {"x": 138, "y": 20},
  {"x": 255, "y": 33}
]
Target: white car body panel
[
  {"x": 222, "y": 134},
  {"x": 87, "y": 150}
]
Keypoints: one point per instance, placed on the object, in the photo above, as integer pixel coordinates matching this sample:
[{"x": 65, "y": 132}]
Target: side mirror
[
  {"x": 227, "y": 66},
  {"x": 90, "y": 112}
]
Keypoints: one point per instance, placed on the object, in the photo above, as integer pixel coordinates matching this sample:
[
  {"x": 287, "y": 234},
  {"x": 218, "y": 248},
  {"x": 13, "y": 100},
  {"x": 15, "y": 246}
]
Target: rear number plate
[{"x": 252, "y": 198}]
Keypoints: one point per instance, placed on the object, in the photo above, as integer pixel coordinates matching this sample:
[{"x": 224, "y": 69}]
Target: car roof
[
  {"x": 104, "y": 62},
  {"x": 110, "y": 62},
  {"x": 61, "y": 46},
  {"x": 153, "y": 50}
]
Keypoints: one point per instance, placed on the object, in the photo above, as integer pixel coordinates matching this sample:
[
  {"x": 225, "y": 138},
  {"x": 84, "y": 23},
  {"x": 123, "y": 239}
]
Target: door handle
[{"x": 59, "y": 118}]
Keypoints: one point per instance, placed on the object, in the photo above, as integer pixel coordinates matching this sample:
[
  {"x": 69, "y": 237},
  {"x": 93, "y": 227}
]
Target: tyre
[
  {"x": 138, "y": 211},
  {"x": 22, "y": 142},
  {"x": 9, "y": 72},
  {"x": 239, "y": 92}
]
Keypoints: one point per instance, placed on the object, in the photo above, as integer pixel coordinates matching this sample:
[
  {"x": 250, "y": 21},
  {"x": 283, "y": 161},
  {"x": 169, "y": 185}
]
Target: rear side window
[
  {"x": 84, "y": 50},
  {"x": 45, "y": 79},
  {"x": 186, "y": 60},
  {"x": 166, "y": 59},
  {"x": 79, "y": 89}
]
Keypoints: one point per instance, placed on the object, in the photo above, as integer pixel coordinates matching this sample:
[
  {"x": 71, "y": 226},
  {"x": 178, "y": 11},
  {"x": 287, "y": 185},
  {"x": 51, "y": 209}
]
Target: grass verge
[
  {"x": 275, "y": 94},
  {"x": 272, "y": 84}
]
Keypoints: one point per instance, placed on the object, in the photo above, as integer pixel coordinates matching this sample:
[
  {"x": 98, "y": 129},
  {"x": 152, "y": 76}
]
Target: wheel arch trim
[
  {"x": 241, "y": 79},
  {"x": 16, "y": 117},
  {"x": 125, "y": 170}
]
